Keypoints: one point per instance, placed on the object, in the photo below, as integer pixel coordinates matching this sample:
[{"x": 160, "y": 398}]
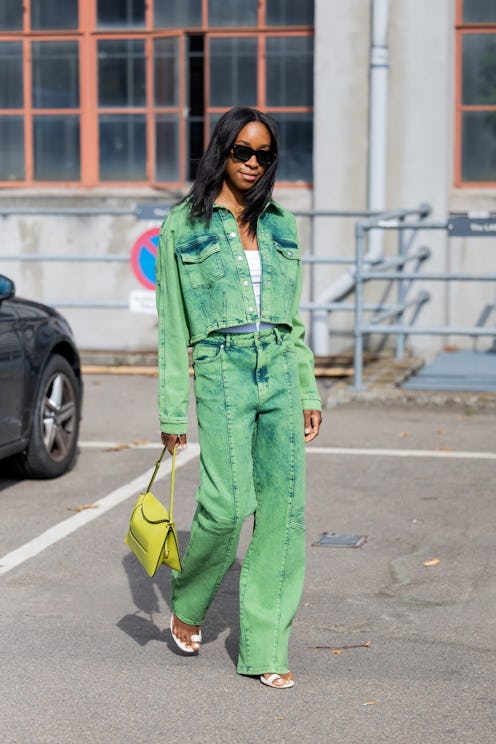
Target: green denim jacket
[{"x": 204, "y": 284}]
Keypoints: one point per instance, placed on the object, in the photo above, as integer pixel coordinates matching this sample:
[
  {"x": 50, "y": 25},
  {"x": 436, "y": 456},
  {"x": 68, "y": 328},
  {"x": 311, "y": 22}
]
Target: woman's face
[{"x": 243, "y": 176}]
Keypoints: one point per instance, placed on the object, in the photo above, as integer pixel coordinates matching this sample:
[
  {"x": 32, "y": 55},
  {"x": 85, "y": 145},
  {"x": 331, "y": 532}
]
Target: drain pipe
[
  {"x": 377, "y": 159},
  {"x": 377, "y": 168}
]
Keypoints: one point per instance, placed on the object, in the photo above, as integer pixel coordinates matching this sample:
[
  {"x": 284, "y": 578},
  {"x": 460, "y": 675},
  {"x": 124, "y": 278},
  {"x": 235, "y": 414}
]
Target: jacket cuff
[
  {"x": 311, "y": 403},
  {"x": 173, "y": 425}
]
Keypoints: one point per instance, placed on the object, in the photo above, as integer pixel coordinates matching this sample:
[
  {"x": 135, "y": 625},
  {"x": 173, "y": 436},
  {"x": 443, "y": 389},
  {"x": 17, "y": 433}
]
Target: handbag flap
[
  {"x": 172, "y": 557},
  {"x": 153, "y": 510}
]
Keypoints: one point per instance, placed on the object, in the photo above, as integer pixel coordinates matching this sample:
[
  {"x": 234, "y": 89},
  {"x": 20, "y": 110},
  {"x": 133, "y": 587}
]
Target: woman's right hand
[{"x": 173, "y": 440}]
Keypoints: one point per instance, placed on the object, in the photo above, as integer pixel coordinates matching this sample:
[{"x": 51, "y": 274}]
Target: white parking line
[
  {"x": 67, "y": 526},
  {"x": 123, "y": 445},
  {"x": 442, "y": 454},
  {"x": 315, "y": 450}
]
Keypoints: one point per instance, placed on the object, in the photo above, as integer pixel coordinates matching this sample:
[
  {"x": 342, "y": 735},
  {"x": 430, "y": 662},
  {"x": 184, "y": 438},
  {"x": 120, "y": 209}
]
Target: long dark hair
[{"x": 210, "y": 175}]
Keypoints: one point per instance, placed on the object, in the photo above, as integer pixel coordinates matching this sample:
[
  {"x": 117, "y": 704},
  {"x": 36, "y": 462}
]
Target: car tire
[{"x": 55, "y": 425}]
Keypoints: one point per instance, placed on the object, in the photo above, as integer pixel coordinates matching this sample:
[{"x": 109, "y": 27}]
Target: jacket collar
[{"x": 271, "y": 206}]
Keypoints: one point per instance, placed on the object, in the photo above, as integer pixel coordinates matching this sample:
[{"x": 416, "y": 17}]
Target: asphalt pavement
[{"x": 394, "y": 641}]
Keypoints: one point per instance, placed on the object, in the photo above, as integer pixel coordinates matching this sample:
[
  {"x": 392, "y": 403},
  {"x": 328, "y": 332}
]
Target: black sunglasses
[{"x": 244, "y": 153}]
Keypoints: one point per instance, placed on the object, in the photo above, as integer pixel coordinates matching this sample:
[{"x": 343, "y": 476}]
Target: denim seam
[
  {"x": 243, "y": 582},
  {"x": 291, "y": 424},
  {"x": 245, "y": 569},
  {"x": 225, "y": 562}
]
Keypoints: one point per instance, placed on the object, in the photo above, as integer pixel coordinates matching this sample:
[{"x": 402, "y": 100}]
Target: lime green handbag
[{"x": 152, "y": 533}]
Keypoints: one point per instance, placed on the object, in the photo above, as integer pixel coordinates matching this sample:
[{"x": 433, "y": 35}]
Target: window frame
[
  {"x": 87, "y": 36},
  {"x": 463, "y": 29}
]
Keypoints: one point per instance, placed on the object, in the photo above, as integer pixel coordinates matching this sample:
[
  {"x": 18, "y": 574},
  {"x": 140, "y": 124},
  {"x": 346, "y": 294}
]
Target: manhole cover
[{"x": 339, "y": 541}]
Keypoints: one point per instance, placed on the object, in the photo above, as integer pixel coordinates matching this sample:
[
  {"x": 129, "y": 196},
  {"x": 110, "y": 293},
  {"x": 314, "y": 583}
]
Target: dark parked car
[{"x": 40, "y": 388}]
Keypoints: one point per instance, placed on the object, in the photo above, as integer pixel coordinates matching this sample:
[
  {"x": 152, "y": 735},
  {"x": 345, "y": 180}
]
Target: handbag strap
[{"x": 173, "y": 471}]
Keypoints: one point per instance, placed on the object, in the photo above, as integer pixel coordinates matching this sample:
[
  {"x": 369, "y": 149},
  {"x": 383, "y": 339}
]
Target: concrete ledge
[
  {"x": 123, "y": 369},
  {"x": 118, "y": 358},
  {"x": 383, "y": 378}
]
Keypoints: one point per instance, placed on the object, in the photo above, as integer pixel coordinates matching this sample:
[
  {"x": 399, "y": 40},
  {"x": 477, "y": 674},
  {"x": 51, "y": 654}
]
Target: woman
[{"x": 228, "y": 284}]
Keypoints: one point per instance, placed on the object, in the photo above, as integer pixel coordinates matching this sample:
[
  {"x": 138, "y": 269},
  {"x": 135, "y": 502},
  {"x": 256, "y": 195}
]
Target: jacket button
[
  {"x": 232, "y": 235},
  {"x": 251, "y": 309},
  {"x": 240, "y": 258},
  {"x": 290, "y": 253}
]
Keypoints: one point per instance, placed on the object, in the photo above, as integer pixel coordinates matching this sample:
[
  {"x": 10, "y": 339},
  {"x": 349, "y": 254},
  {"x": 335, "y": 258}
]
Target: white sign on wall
[{"x": 142, "y": 301}]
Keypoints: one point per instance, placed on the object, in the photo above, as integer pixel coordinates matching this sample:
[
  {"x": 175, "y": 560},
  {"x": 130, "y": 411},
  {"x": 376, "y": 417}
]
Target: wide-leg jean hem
[
  {"x": 249, "y": 672},
  {"x": 185, "y": 619}
]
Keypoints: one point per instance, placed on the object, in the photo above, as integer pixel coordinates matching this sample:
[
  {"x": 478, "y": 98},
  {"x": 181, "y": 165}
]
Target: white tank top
[{"x": 255, "y": 266}]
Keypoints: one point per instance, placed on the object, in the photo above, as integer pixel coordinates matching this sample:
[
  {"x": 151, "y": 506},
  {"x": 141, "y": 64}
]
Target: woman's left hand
[{"x": 312, "y": 421}]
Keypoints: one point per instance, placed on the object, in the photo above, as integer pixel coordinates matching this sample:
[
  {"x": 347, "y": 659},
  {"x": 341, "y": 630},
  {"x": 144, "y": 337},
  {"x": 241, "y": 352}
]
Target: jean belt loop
[{"x": 277, "y": 334}]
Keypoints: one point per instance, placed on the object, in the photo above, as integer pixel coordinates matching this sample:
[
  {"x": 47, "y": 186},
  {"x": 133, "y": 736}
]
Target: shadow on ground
[{"x": 147, "y": 593}]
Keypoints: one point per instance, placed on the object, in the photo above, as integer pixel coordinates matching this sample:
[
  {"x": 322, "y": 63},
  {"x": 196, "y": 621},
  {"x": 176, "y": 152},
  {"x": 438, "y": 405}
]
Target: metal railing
[
  {"x": 158, "y": 212},
  {"x": 384, "y": 266},
  {"x": 383, "y": 317},
  {"x": 364, "y": 273}
]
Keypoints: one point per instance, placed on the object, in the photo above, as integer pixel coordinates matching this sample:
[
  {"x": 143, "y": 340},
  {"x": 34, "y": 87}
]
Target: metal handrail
[
  {"x": 138, "y": 211},
  {"x": 388, "y": 269},
  {"x": 401, "y": 330},
  {"x": 160, "y": 210},
  {"x": 67, "y": 212},
  {"x": 66, "y": 258}
]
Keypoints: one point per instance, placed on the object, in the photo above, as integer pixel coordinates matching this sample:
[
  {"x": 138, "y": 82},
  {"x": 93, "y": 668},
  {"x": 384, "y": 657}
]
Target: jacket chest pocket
[
  {"x": 288, "y": 258},
  {"x": 201, "y": 260}
]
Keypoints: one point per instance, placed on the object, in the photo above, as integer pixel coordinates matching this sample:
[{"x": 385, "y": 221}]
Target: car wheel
[{"x": 55, "y": 425}]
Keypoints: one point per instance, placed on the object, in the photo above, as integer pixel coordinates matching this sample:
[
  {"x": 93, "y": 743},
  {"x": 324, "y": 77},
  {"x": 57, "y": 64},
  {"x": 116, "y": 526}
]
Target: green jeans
[{"x": 252, "y": 462}]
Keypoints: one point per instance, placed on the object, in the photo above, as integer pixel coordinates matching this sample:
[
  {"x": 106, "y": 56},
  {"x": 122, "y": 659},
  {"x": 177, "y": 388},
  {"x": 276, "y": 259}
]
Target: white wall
[
  {"x": 340, "y": 136},
  {"x": 420, "y": 150},
  {"x": 66, "y": 282},
  {"x": 421, "y": 126}
]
